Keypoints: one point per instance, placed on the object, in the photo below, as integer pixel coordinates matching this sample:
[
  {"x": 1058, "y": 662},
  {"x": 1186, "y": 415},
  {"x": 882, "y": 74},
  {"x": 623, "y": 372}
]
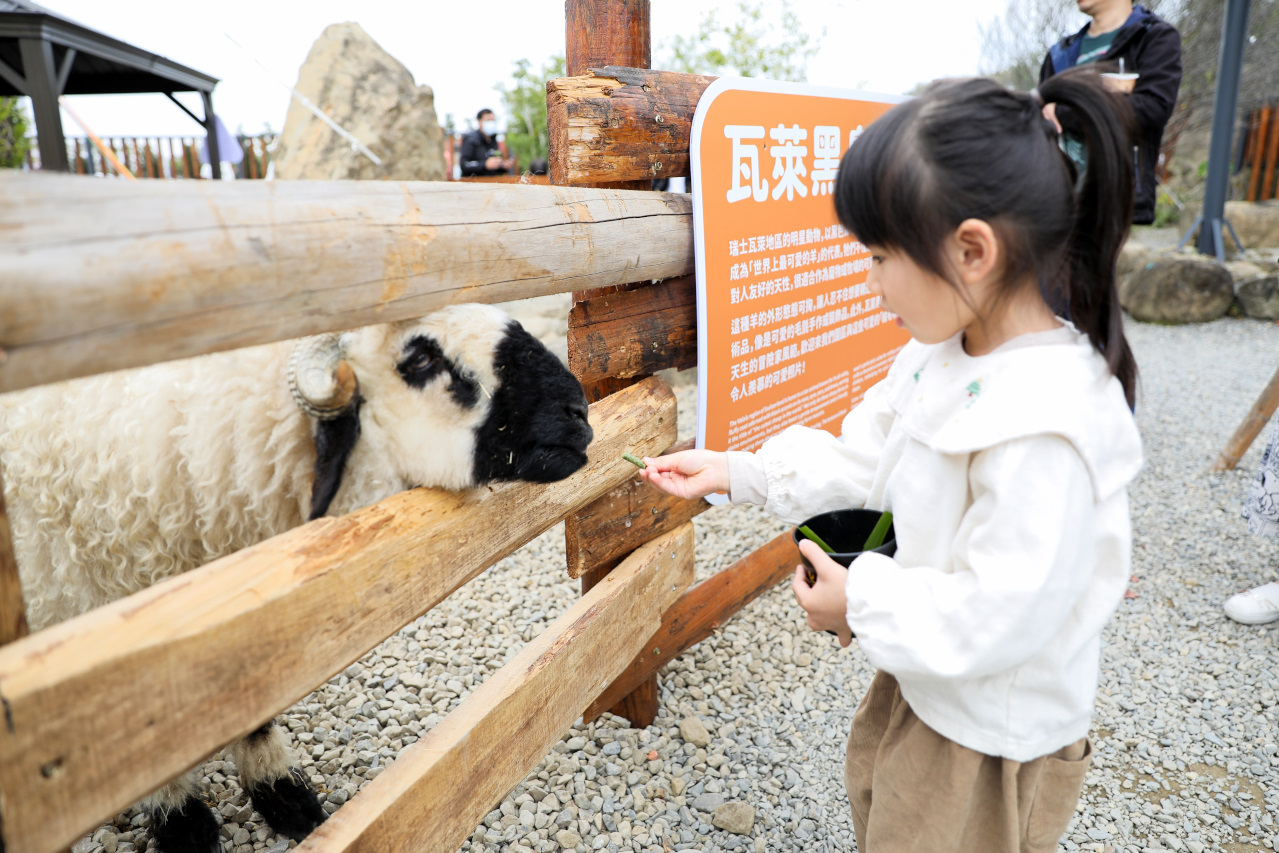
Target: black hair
[
  {"x": 973, "y": 149},
  {"x": 480, "y": 115}
]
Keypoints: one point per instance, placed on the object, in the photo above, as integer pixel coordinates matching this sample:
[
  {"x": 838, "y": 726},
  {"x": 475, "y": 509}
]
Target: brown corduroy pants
[{"x": 914, "y": 791}]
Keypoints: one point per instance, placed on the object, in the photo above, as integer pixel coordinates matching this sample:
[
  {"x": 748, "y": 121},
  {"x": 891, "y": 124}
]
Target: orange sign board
[{"x": 787, "y": 331}]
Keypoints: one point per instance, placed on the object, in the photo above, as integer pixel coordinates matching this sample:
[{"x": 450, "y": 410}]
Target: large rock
[
  {"x": 1258, "y": 293},
  {"x": 370, "y": 94},
  {"x": 1256, "y": 223},
  {"x": 1177, "y": 289}
]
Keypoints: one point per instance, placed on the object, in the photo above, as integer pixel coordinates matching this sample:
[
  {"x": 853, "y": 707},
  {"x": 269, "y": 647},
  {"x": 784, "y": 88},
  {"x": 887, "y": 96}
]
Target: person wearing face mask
[{"x": 481, "y": 154}]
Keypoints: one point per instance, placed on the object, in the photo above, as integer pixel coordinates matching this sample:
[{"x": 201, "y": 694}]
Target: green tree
[
  {"x": 758, "y": 43},
  {"x": 13, "y": 134},
  {"x": 525, "y": 103}
]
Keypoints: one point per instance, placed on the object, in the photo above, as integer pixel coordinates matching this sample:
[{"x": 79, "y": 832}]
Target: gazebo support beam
[
  {"x": 42, "y": 86},
  {"x": 211, "y": 128},
  {"x": 12, "y": 77}
]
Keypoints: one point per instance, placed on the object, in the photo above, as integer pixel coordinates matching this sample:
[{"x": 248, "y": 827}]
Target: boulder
[
  {"x": 1256, "y": 223},
  {"x": 373, "y": 96},
  {"x": 1132, "y": 257},
  {"x": 1258, "y": 294},
  {"x": 1177, "y": 289}
]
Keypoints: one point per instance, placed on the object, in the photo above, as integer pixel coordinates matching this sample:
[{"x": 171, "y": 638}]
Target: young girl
[{"x": 1002, "y": 440}]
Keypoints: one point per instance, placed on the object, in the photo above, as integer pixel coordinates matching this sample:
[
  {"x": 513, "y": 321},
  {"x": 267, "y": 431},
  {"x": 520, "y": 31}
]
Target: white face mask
[{"x": 489, "y": 127}]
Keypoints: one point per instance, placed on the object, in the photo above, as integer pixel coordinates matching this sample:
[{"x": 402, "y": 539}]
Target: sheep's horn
[{"x": 322, "y": 383}]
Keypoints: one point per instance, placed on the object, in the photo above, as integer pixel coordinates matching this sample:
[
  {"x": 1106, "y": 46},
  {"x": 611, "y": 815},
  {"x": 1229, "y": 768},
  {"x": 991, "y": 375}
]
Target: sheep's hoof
[
  {"x": 289, "y": 805},
  {"x": 192, "y": 828}
]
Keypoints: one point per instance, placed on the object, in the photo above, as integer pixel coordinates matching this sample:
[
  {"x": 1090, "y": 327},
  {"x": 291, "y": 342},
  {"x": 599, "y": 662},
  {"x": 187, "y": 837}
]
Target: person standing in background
[
  {"x": 1147, "y": 46},
  {"x": 481, "y": 153}
]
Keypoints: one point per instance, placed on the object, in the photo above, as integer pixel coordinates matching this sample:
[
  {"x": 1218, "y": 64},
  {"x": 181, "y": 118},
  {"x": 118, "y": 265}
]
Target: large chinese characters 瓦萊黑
[{"x": 789, "y": 156}]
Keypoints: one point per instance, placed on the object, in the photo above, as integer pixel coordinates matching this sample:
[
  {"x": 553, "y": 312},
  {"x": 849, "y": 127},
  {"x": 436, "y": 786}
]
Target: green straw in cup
[
  {"x": 877, "y": 535},
  {"x": 808, "y": 534}
]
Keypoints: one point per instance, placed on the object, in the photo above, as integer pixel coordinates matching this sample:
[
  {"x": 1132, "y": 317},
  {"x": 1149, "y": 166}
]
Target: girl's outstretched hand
[
  {"x": 825, "y": 601},
  {"x": 687, "y": 474}
]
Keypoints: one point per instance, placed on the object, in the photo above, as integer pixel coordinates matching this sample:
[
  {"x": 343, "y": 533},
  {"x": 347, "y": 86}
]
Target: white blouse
[{"x": 1007, "y": 478}]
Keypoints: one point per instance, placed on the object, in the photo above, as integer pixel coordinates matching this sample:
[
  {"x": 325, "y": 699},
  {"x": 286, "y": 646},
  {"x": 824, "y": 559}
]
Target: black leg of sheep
[
  {"x": 182, "y": 823},
  {"x": 276, "y": 786}
]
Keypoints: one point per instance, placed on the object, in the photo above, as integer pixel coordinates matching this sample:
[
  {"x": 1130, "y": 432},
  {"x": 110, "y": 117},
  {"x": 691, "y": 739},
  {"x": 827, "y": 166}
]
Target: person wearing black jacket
[
  {"x": 1148, "y": 46},
  {"x": 481, "y": 154}
]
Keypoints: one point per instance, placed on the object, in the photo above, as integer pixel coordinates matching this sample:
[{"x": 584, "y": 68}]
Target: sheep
[{"x": 119, "y": 481}]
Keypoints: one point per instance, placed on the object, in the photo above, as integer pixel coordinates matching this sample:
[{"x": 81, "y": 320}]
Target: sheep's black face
[{"x": 536, "y": 429}]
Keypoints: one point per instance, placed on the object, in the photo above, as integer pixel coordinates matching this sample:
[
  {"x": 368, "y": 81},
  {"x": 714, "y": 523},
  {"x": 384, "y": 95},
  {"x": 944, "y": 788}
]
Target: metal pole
[{"x": 1229, "y": 72}]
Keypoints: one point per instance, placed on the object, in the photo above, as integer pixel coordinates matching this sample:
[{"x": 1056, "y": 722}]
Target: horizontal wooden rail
[
  {"x": 700, "y": 611},
  {"x": 101, "y": 709},
  {"x": 634, "y": 332},
  {"x": 436, "y": 792},
  {"x": 621, "y": 124},
  {"x": 621, "y": 520},
  {"x": 100, "y": 275}
]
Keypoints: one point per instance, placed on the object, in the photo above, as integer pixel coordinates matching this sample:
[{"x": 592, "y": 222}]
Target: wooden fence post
[{"x": 598, "y": 33}]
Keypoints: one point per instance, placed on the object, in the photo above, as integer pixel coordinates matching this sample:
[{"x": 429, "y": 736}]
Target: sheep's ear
[{"x": 334, "y": 441}]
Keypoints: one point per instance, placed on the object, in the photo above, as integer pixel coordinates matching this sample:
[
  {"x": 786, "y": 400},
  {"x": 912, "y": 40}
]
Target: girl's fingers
[{"x": 799, "y": 585}]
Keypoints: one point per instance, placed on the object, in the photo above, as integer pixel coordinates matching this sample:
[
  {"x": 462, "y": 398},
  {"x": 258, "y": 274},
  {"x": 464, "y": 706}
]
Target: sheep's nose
[{"x": 576, "y": 410}]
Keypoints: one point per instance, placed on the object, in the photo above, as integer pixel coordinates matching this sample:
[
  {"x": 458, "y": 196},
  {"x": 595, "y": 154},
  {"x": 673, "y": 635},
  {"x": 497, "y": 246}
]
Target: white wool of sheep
[{"x": 119, "y": 481}]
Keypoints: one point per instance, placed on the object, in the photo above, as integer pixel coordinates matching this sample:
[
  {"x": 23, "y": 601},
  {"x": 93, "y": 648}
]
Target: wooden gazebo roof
[{"x": 45, "y": 56}]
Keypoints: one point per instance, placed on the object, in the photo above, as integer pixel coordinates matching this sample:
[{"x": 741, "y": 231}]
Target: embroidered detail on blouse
[{"x": 974, "y": 391}]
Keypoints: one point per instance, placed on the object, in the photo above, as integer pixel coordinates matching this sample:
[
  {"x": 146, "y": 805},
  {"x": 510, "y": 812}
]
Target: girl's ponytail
[{"x": 1103, "y": 211}]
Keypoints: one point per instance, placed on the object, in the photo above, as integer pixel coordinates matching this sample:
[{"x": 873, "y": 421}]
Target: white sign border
[{"x": 714, "y": 90}]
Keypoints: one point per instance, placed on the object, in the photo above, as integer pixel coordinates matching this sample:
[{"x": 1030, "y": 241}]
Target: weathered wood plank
[
  {"x": 512, "y": 720},
  {"x": 634, "y": 333},
  {"x": 101, "y": 275},
  {"x": 101, "y": 709},
  {"x": 1251, "y": 426},
  {"x": 700, "y": 611},
  {"x": 614, "y": 123},
  {"x": 13, "y": 613},
  {"x": 624, "y": 518}
]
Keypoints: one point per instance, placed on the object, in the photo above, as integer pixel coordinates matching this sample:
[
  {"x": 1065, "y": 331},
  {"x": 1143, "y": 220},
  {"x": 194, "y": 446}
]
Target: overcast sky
[{"x": 462, "y": 49}]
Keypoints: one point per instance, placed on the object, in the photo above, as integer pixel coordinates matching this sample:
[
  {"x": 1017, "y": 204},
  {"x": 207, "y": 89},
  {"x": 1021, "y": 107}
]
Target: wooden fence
[
  {"x": 1261, "y": 152},
  {"x": 99, "y": 279},
  {"x": 157, "y": 156}
]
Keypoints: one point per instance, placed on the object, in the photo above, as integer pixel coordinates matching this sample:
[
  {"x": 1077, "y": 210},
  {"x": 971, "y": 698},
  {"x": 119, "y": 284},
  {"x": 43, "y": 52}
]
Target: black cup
[{"x": 846, "y": 531}]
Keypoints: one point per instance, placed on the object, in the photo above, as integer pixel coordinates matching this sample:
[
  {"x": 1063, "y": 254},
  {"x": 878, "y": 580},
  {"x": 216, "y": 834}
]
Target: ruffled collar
[{"x": 1045, "y": 383}]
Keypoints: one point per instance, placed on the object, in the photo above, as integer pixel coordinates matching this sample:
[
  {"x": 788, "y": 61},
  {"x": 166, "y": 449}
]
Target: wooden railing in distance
[
  {"x": 512, "y": 720},
  {"x": 617, "y": 124},
  {"x": 211, "y": 654},
  {"x": 101, "y": 277},
  {"x": 1261, "y": 153}
]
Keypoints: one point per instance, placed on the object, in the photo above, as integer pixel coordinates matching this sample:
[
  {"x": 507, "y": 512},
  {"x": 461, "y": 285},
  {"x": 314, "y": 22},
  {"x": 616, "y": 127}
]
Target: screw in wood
[{"x": 658, "y": 119}]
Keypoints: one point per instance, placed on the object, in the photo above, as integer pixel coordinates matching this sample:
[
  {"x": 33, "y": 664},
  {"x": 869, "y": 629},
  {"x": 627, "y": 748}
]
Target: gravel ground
[{"x": 1185, "y": 730}]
